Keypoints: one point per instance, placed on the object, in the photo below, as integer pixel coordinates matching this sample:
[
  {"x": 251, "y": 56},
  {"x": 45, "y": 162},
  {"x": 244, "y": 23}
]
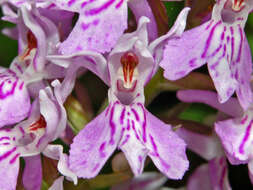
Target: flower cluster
[{"x": 124, "y": 44}]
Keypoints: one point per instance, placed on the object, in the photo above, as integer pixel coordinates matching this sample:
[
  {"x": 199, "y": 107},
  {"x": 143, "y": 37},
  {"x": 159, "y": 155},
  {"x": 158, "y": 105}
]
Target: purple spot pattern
[{"x": 9, "y": 84}]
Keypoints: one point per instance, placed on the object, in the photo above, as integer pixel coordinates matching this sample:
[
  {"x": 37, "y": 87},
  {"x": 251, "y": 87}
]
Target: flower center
[
  {"x": 31, "y": 44},
  {"x": 129, "y": 61},
  {"x": 40, "y": 124}
]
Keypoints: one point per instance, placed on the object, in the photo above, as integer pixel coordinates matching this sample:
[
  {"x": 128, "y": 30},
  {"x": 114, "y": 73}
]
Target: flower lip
[
  {"x": 31, "y": 44},
  {"x": 129, "y": 61}
]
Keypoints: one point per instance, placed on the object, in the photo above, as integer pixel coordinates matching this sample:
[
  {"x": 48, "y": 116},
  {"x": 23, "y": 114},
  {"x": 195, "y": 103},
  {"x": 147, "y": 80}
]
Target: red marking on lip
[
  {"x": 129, "y": 61},
  {"x": 31, "y": 44},
  {"x": 40, "y": 124}
]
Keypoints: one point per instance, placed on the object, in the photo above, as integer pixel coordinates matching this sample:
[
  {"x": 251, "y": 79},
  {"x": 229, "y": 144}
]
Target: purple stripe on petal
[
  {"x": 223, "y": 33},
  {"x": 71, "y": 2},
  {"x": 5, "y": 155},
  {"x": 13, "y": 160},
  {"x": 97, "y": 10},
  {"x": 112, "y": 124},
  {"x": 118, "y": 5},
  {"x": 135, "y": 114},
  {"x": 122, "y": 116},
  {"x": 245, "y": 138},
  {"x": 144, "y": 124},
  {"x": 86, "y": 3},
  {"x": 125, "y": 140},
  {"x": 107, "y": 110},
  {"x": 210, "y": 37},
  {"x": 135, "y": 132},
  {"x": 128, "y": 124},
  {"x": 95, "y": 168},
  {"x": 232, "y": 42},
  {"x": 4, "y": 138},
  {"x": 240, "y": 47},
  {"x": 9, "y": 92},
  {"x": 209, "y": 25},
  {"x": 243, "y": 121},
  {"x": 155, "y": 153},
  {"x": 101, "y": 150}
]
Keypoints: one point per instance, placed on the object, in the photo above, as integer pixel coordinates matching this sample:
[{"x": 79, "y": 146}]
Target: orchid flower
[
  {"x": 126, "y": 124},
  {"x": 101, "y": 23},
  {"x": 235, "y": 133},
  {"x": 46, "y": 121},
  {"x": 222, "y": 44},
  {"x": 37, "y": 38}
]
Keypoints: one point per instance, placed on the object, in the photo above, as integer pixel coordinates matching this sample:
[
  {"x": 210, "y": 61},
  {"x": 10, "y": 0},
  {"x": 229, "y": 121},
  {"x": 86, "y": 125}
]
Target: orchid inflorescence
[{"x": 46, "y": 114}]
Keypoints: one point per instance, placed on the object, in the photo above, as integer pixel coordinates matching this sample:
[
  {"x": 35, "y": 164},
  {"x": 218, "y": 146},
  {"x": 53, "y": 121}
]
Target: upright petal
[
  {"x": 97, "y": 28},
  {"x": 97, "y": 140},
  {"x": 32, "y": 175},
  {"x": 166, "y": 149},
  {"x": 141, "y": 8},
  {"x": 14, "y": 99}
]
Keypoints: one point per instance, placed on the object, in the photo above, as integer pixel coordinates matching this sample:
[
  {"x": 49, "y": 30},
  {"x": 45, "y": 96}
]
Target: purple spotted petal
[
  {"x": 166, "y": 149},
  {"x": 14, "y": 99},
  {"x": 213, "y": 175},
  {"x": 32, "y": 175},
  {"x": 216, "y": 43},
  {"x": 237, "y": 137},
  {"x": 141, "y": 8},
  {"x": 97, "y": 140},
  {"x": 99, "y": 26},
  {"x": 9, "y": 158},
  {"x": 231, "y": 107}
]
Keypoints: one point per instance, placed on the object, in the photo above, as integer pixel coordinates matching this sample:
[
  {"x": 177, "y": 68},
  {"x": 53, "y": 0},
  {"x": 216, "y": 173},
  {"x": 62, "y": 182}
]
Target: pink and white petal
[
  {"x": 209, "y": 147},
  {"x": 237, "y": 136},
  {"x": 200, "y": 179},
  {"x": 231, "y": 107},
  {"x": 14, "y": 99},
  {"x": 221, "y": 74},
  {"x": 11, "y": 32},
  {"x": 56, "y": 152},
  {"x": 141, "y": 8},
  {"x": 146, "y": 181},
  {"x": 32, "y": 175},
  {"x": 58, "y": 184},
  {"x": 181, "y": 55},
  {"x": 218, "y": 172},
  {"x": 97, "y": 140},
  {"x": 166, "y": 149},
  {"x": 93, "y": 61},
  {"x": 244, "y": 70},
  {"x": 134, "y": 150},
  {"x": 96, "y": 29}
]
